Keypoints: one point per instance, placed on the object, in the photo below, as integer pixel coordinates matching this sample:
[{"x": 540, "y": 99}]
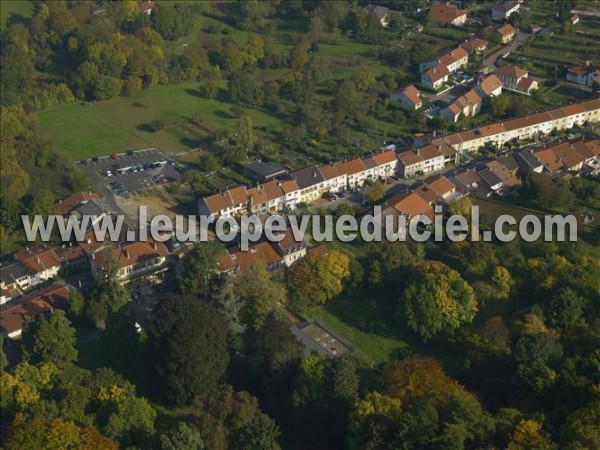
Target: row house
[
  {"x": 466, "y": 105},
  {"x": 14, "y": 314},
  {"x": 525, "y": 127},
  {"x": 335, "y": 176},
  {"x": 29, "y": 268},
  {"x": 311, "y": 183},
  {"x": 452, "y": 60},
  {"x": 436, "y": 72},
  {"x": 422, "y": 160},
  {"x": 386, "y": 162},
  {"x": 356, "y": 172},
  {"x": 568, "y": 156}
]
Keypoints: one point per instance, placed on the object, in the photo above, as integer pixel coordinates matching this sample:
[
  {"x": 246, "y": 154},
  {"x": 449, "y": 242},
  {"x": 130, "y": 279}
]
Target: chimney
[
  {"x": 418, "y": 150},
  {"x": 126, "y": 253},
  {"x": 154, "y": 245}
]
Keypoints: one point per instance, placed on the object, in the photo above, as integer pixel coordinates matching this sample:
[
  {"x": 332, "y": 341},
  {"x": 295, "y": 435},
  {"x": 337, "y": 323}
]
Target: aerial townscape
[{"x": 124, "y": 111}]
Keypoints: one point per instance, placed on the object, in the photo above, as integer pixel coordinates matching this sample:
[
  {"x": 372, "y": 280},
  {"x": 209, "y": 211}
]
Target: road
[{"x": 490, "y": 61}]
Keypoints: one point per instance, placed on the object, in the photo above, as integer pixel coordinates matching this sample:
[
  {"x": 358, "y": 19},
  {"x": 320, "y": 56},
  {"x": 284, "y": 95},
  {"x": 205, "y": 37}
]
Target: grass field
[
  {"x": 83, "y": 130},
  {"x": 10, "y": 8}
]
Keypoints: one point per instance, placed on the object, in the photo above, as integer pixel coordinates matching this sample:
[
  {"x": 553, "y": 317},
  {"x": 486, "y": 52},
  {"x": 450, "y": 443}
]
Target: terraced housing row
[{"x": 307, "y": 184}]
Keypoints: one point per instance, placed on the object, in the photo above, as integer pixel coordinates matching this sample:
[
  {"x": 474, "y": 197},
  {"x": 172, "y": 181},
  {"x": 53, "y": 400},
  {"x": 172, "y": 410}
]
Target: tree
[
  {"x": 244, "y": 89},
  {"x": 273, "y": 354},
  {"x": 581, "y": 429},
  {"x": 375, "y": 192},
  {"x": 499, "y": 106},
  {"x": 299, "y": 56},
  {"x": 228, "y": 419},
  {"x": 230, "y": 306},
  {"x": 566, "y": 309},
  {"x": 120, "y": 339},
  {"x": 436, "y": 300},
  {"x": 172, "y": 20},
  {"x": 50, "y": 338},
  {"x": 245, "y": 134},
  {"x": 198, "y": 270},
  {"x": 461, "y": 207},
  {"x": 255, "y": 15},
  {"x": 43, "y": 203},
  {"x": 76, "y": 303},
  {"x": 56, "y": 434},
  {"x": 210, "y": 85},
  {"x": 108, "y": 296},
  {"x": 189, "y": 340},
  {"x": 501, "y": 280},
  {"x": 417, "y": 378},
  {"x": 373, "y": 423},
  {"x": 537, "y": 357},
  {"x": 3, "y": 358},
  {"x": 323, "y": 393},
  {"x": 182, "y": 437},
  {"x": 363, "y": 79},
  {"x": 529, "y": 434},
  {"x": 317, "y": 278},
  {"x": 262, "y": 296}
]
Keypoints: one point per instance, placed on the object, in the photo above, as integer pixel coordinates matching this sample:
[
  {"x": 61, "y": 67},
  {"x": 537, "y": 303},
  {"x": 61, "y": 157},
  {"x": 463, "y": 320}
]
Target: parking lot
[{"x": 124, "y": 173}]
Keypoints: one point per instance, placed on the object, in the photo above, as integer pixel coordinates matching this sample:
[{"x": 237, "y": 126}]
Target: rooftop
[{"x": 445, "y": 13}]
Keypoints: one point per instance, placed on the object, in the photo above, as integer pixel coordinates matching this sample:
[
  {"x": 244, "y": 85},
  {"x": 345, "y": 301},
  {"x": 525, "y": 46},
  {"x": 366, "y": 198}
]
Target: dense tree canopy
[
  {"x": 436, "y": 300},
  {"x": 318, "y": 278},
  {"x": 50, "y": 338},
  {"x": 189, "y": 340}
]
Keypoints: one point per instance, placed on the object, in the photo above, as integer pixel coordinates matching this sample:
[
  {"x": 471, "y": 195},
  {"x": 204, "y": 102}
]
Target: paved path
[{"x": 490, "y": 61}]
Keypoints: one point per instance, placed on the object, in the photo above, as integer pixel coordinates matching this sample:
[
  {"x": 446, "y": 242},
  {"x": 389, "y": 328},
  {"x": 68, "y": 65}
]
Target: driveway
[{"x": 490, "y": 61}]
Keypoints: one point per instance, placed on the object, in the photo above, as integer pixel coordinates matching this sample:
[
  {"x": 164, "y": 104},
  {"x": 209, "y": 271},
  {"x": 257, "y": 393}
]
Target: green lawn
[
  {"x": 82, "y": 130},
  {"x": 372, "y": 332},
  {"x": 10, "y": 8}
]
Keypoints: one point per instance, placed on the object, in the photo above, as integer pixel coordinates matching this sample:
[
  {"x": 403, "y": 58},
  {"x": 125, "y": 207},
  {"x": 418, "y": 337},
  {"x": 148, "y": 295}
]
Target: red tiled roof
[
  {"x": 243, "y": 260},
  {"x": 489, "y": 84},
  {"x": 289, "y": 186},
  {"x": 549, "y": 159},
  {"x": 38, "y": 259},
  {"x": 412, "y": 93},
  {"x": 506, "y": 30},
  {"x": 437, "y": 73},
  {"x": 132, "y": 253},
  {"x": 511, "y": 71},
  {"x": 474, "y": 43},
  {"x": 353, "y": 166},
  {"x": 525, "y": 84},
  {"x": 413, "y": 205},
  {"x": 68, "y": 204},
  {"x": 384, "y": 157},
  {"x": 445, "y": 13}
]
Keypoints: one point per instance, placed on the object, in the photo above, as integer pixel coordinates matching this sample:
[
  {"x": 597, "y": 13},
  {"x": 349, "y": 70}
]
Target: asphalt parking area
[{"x": 124, "y": 173}]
